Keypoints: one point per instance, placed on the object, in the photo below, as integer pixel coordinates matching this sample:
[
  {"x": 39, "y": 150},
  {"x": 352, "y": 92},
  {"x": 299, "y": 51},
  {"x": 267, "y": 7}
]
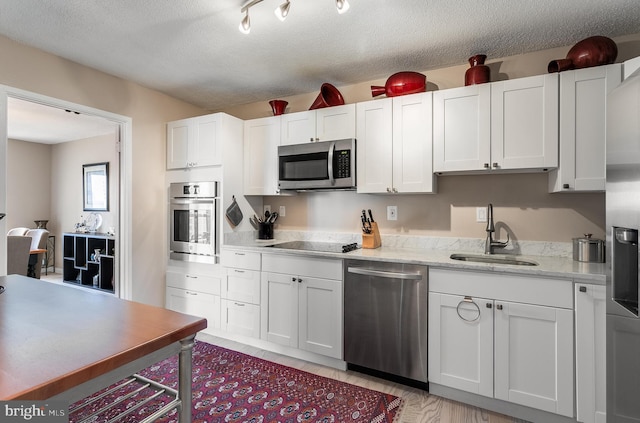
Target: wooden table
[{"x": 58, "y": 342}]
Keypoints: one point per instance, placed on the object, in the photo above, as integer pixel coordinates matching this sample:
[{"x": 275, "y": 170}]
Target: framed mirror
[{"x": 95, "y": 187}]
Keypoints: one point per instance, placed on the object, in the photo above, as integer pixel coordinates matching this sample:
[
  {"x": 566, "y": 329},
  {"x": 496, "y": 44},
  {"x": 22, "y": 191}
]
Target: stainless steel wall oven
[{"x": 193, "y": 221}]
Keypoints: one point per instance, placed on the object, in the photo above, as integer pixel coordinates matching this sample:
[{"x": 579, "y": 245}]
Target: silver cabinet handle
[
  {"x": 195, "y": 294},
  {"x": 293, "y": 279},
  {"x": 238, "y": 271},
  {"x": 499, "y": 306},
  {"x": 383, "y": 274},
  {"x": 239, "y": 254},
  {"x": 495, "y": 164},
  {"x": 468, "y": 300},
  {"x": 191, "y": 277},
  {"x": 239, "y": 304},
  {"x": 583, "y": 289},
  {"x": 486, "y": 165}
]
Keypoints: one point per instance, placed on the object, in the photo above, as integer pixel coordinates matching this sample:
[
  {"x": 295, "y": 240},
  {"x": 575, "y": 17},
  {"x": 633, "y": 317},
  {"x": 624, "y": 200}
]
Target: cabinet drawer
[
  {"x": 507, "y": 287},
  {"x": 240, "y": 259},
  {"x": 240, "y": 318},
  {"x": 242, "y": 285},
  {"x": 316, "y": 267},
  {"x": 196, "y": 304},
  {"x": 194, "y": 282}
]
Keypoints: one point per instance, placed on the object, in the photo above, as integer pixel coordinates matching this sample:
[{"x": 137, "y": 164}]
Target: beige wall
[
  {"x": 34, "y": 70},
  {"x": 66, "y": 184},
  {"x": 28, "y": 183},
  {"x": 45, "y": 182},
  {"x": 521, "y": 201}
]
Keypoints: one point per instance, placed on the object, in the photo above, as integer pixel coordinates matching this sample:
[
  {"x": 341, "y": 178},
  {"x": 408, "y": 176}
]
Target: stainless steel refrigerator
[{"x": 623, "y": 223}]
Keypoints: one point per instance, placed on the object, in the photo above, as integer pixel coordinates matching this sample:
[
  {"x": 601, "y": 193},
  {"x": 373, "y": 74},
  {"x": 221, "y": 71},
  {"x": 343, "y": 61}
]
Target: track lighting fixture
[
  {"x": 281, "y": 12},
  {"x": 342, "y": 6}
]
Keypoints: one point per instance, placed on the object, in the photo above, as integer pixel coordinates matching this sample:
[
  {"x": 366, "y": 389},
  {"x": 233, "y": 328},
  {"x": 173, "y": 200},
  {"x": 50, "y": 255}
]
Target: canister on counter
[{"x": 588, "y": 249}]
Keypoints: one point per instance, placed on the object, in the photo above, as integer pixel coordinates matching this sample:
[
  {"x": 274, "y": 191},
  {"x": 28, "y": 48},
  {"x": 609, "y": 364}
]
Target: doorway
[{"x": 89, "y": 119}]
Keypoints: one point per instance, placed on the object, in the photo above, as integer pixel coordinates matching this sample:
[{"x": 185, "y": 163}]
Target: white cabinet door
[
  {"x": 240, "y": 318},
  {"x": 583, "y": 123},
  {"x": 178, "y": 133},
  {"x": 413, "y": 144},
  {"x": 524, "y": 123},
  {"x": 534, "y": 356},
  {"x": 298, "y": 128},
  {"x": 206, "y": 149},
  {"x": 261, "y": 140},
  {"x": 461, "y": 343},
  {"x": 279, "y": 309},
  {"x": 326, "y": 124},
  {"x": 462, "y": 128},
  {"x": 195, "y": 303},
  {"x": 590, "y": 314},
  {"x": 336, "y": 123},
  {"x": 320, "y": 316},
  {"x": 194, "y": 142},
  {"x": 374, "y": 138}
]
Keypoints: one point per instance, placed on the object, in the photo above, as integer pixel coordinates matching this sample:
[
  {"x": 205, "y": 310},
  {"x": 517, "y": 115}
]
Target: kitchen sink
[{"x": 485, "y": 258}]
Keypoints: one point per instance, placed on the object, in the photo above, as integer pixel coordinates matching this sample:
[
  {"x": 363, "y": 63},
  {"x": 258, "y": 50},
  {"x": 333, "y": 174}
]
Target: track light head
[
  {"x": 342, "y": 6},
  {"x": 245, "y": 24},
  {"x": 282, "y": 11}
]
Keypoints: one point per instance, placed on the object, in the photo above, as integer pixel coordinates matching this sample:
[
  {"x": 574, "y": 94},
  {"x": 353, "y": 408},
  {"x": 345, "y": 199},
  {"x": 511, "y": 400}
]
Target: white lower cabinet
[
  {"x": 590, "y": 312},
  {"x": 303, "y": 307},
  {"x": 507, "y": 337},
  {"x": 240, "y": 292},
  {"x": 195, "y": 294}
]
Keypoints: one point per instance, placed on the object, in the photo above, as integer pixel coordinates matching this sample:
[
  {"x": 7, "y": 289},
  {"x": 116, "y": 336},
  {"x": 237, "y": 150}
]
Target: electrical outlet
[
  {"x": 266, "y": 208},
  {"x": 392, "y": 212},
  {"x": 481, "y": 214},
  {"x": 282, "y": 211}
]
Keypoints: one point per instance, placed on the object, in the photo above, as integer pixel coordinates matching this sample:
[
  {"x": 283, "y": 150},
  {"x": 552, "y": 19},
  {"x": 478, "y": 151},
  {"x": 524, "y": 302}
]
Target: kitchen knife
[{"x": 370, "y": 216}]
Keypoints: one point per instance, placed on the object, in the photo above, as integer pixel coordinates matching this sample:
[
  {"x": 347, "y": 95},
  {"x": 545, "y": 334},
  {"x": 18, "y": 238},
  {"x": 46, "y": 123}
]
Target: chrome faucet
[{"x": 490, "y": 244}]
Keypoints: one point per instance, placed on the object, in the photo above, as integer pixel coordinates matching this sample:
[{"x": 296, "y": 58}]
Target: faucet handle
[{"x": 501, "y": 244}]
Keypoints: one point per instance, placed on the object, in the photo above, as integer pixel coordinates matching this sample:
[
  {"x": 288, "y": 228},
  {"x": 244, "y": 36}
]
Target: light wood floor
[{"x": 418, "y": 405}]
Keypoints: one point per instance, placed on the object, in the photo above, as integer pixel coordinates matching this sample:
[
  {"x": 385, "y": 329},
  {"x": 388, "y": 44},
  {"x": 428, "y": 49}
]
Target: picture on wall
[{"x": 95, "y": 186}]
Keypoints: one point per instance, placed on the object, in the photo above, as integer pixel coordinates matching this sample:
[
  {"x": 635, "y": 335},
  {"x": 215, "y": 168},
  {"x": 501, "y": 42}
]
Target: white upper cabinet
[
  {"x": 505, "y": 125},
  {"x": 524, "y": 123},
  {"x": 583, "y": 128},
  {"x": 461, "y": 128},
  {"x": 194, "y": 142},
  {"x": 261, "y": 140},
  {"x": 394, "y": 141},
  {"x": 326, "y": 124}
]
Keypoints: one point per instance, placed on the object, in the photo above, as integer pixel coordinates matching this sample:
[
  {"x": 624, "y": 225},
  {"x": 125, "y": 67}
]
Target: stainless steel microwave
[{"x": 321, "y": 165}]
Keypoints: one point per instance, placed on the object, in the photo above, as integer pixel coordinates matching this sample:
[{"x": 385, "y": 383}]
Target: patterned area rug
[{"x": 229, "y": 386}]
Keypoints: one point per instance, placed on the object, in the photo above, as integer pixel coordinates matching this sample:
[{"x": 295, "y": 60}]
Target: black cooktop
[{"x": 325, "y": 247}]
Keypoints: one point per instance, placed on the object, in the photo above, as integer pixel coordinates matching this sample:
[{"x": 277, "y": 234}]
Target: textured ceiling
[{"x": 192, "y": 49}]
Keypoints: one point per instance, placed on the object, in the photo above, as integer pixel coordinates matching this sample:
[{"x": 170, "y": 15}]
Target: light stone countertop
[{"x": 556, "y": 266}]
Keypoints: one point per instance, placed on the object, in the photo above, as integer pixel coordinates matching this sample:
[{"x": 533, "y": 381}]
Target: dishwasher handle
[{"x": 384, "y": 274}]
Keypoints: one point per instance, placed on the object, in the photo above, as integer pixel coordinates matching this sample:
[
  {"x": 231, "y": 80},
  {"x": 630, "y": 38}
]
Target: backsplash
[{"x": 476, "y": 245}]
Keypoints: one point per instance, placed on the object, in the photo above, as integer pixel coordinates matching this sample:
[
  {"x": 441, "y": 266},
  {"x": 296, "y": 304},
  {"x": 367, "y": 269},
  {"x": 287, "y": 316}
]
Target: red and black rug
[{"x": 229, "y": 386}]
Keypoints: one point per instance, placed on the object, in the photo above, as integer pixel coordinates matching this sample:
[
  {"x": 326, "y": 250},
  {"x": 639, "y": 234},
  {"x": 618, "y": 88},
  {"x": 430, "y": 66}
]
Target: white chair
[
  {"x": 38, "y": 242},
  {"x": 17, "y": 231},
  {"x": 18, "y": 248}
]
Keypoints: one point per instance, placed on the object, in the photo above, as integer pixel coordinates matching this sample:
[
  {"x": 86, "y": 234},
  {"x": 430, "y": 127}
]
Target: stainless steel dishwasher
[{"x": 385, "y": 318}]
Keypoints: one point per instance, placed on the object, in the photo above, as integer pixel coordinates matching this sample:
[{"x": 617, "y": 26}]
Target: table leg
[{"x": 185, "y": 376}]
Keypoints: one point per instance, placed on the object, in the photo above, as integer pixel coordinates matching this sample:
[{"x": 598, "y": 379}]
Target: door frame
[{"x": 124, "y": 238}]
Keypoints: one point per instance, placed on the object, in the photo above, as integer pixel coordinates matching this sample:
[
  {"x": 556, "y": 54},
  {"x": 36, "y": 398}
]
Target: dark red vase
[
  {"x": 329, "y": 96},
  {"x": 592, "y": 51},
  {"x": 478, "y": 73},
  {"x": 278, "y": 106},
  {"x": 401, "y": 83}
]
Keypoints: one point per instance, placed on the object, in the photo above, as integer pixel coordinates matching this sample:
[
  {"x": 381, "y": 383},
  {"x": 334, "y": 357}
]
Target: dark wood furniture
[
  {"x": 63, "y": 343},
  {"x": 79, "y": 264}
]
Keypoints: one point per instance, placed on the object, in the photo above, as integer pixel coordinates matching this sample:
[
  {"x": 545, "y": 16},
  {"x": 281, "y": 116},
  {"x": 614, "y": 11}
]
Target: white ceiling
[
  {"x": 34, "y": 122},
  {"x": 192, "y": 49}
]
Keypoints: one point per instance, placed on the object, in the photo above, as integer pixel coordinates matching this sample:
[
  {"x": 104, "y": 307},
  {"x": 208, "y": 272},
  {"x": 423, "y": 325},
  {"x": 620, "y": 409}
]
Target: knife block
[{"x": 372, "y": 240}]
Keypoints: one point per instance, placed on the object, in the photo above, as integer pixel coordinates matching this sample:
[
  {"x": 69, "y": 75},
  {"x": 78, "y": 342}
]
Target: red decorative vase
[
  {"x": 329, "y": 96},
  {"x": 478, "y": 73},
  {"x": 278, "y": 106},
  {"x": 401, "y": 83},
  {"x": 592, "y": 51}
]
